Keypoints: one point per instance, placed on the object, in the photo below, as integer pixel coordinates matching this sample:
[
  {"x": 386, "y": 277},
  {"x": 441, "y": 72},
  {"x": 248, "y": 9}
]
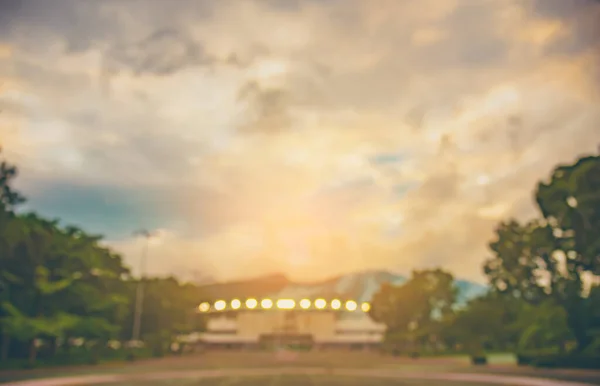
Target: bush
[
  {"x": 570, "y": 361},
  {"x": 478, "y": 360},
  {"x": 526, "y": 358}
]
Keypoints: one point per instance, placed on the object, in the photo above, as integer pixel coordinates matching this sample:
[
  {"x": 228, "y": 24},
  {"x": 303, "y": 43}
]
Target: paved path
[{"x": 438, "y": 378}]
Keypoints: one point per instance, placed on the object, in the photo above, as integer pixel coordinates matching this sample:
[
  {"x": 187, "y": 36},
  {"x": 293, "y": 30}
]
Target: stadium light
[
  {"x": 251, "y": 303},
  {"x": 204, "y": 307},
  {"x": 320, "y": 303},
  {"x": 351, "y": 305},
  {"x": 336, "y": 304},
  {"x": 365, "y": 307},
  {"x": 286, "y": 304},
  {"x": 305, "y": 304},
  {"x": 266, "y": 303},
  {"x": 235, "y": 304},
  {"x": 220, "y": 305}
]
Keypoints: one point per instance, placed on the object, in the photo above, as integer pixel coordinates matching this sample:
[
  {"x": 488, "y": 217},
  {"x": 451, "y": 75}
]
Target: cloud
[
  {"x": 270, "y": 107},
  {"x": 163, "y": 52},
  {"x": 310, "y": 137}
]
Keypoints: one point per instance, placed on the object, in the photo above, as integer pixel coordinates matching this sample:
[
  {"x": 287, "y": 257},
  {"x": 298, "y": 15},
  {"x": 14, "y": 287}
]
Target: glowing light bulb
[
  {"x": 286, "y": 304},
  {"x": 305, "y": 303},
  {"x": 235, "y": 304},
  {"x": 266, "y": 303},
  {"x": 336, "y": 304},
  {"x": 251, "y": 303},
  {"x": 351, "y": 305},
  {"x": 220, "y": 305},
  {"x": 320, "y": 303}
]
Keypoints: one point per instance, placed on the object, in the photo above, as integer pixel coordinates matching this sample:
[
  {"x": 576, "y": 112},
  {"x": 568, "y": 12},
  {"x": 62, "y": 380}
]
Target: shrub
[
  {"x": 524, "y": 359},
  {"x": 573, "y": 361},
  {"x": 478, "y": 360}
]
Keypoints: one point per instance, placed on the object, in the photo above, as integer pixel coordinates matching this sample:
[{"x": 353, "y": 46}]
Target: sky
[{"x": 312, "y": 138}]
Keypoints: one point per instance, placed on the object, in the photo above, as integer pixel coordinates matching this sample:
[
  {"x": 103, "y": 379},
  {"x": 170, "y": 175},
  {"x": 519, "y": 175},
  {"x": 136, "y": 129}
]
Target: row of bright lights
[{"x": 284, "y": 304}]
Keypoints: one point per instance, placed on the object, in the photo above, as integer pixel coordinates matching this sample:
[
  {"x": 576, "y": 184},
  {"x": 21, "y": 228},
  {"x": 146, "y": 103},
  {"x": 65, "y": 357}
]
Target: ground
[{"x": 292, "y": 368}]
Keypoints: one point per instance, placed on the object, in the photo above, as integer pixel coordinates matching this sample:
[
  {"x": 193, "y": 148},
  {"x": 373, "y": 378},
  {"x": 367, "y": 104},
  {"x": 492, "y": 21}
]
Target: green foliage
[
  {"x": 574, "y": 361},
  {"x": 544, "y": 262},
  {"x": 543, "y": 326},
  {"x": 540, "y": 305},
  {"x": 414, "y": 311},
  {"x": 571, "y": 202},
  {"x": 9, "y": 198},
  {"x": 59, "y": 283}
]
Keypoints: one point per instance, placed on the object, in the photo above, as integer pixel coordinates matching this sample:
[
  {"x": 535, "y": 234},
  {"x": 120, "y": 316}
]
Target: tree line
[
  {"x": 66, "y": 296},
  {"x": 544, "y": 295}
]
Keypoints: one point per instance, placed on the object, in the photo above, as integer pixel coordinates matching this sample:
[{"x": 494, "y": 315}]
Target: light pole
[{"x": 139, "y": 293}]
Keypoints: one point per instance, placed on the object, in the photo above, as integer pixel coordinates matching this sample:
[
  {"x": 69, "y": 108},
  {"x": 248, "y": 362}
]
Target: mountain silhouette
[{"x": 359, "y": 286}]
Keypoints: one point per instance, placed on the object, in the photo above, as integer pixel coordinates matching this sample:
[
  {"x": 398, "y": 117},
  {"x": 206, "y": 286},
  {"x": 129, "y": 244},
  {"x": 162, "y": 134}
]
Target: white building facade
[{"x": 307, "y": 323}]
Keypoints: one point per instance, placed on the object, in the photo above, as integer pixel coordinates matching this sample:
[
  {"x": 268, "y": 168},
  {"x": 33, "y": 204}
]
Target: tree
[
  {"x": 9, "y": 198},
  {"x": 412, "y": 311},
  {"x": 488, "y": 321},
  {"x": 570, "y": 203},
  {"x": 543, "y": 326},
  {"x": 59, "y": 282},
  {"x": 547, "y": 258}
]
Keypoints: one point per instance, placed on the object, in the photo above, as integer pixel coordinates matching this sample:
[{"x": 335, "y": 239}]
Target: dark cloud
[
  {"x": 296, "y": 5},
  {"x": 416, "y": 116},
  {"x": 11, "y": 107},
  {"x": 583, "y": 20},
  {"x": 269, "y": 108},
  {"x": 35, "y": 23},
  {"x": 468, "y": 46},
  {"x": 469, "y": 41},
  {"x": 143, "y": 36},
  {"x": 43, "y": 77},
  {"x": 163, "y": 52},
  {"x": 564, "y": 9}
]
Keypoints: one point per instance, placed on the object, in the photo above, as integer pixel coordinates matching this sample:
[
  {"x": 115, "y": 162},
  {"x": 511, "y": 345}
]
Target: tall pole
[{"x": 139, "y": 292}]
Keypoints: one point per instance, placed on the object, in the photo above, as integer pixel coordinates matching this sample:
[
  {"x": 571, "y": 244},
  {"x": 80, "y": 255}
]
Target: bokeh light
[
  {"x": 336, "y": 304},
  {"x": 351, "y": 305},
  {"x": 251, "y": 304},
  {"x": 305, "y": 303},
  {"x": 286, "y": 304},
  {"x": 220, "y": 305},
  {"x": 320, "y": 303},
  {"x": 266, "y": 303}
]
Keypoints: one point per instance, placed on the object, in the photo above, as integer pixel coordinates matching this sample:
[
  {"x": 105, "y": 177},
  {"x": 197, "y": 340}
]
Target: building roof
[{"x": 359, "y": 324}]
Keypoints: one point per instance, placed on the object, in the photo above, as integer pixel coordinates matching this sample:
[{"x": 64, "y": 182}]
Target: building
[{"x": 309, "y": 323}]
